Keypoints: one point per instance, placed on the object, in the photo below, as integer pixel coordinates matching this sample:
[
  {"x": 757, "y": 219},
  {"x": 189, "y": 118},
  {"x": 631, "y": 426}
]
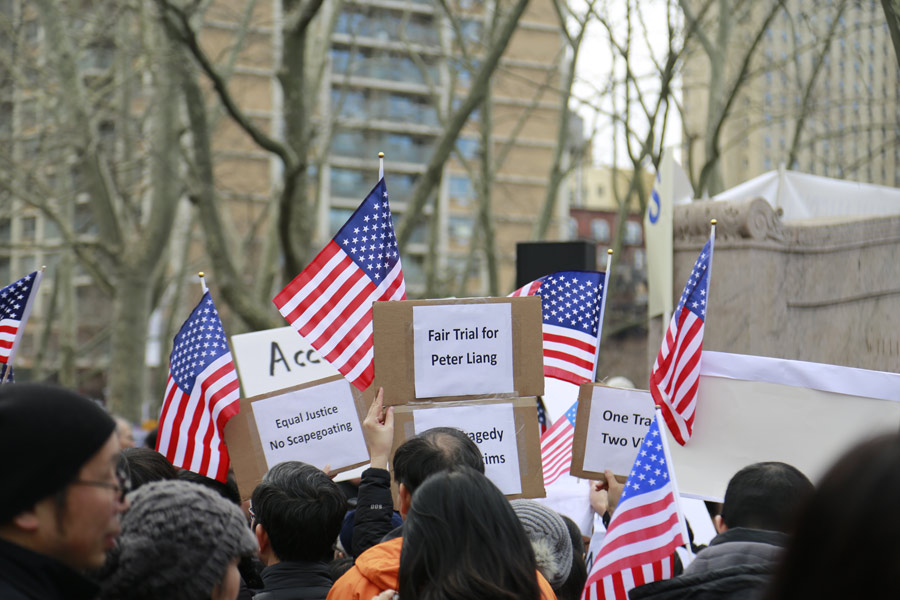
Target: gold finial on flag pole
[
  {"x": 380, "y": 166},
  {"x": 713, "y": 222},
  {"x": 202, "y": 277}
]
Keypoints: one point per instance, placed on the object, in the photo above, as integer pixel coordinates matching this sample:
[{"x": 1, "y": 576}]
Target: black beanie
[{"x": 46, "y": 435}]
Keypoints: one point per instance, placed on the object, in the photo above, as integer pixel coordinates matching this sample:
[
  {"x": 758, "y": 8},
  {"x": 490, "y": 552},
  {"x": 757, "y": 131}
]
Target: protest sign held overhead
[
  {"x": 463, "y": 349},
  {"x": 456, "y": 349},
  {"x": 276, "y": 359},
  {"x": 318, "y": 423},
  {"x": 610, "y": 427},
  {"x": 493, "y": 429},
  {"x": 505, "y": 431}
]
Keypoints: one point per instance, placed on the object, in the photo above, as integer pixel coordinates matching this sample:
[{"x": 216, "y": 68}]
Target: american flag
[
  {"x": 572, "y": 302},
  {"x": 330, "y": 302},
  {"x": 676, "y": 372},
  {"x": 202, "y": 394},
  {"x": 543, "y": 418},
  {"x": 556, "y": 446},
  {"x": 15, "y": 306},
  {"x": 645, "y": 529}
]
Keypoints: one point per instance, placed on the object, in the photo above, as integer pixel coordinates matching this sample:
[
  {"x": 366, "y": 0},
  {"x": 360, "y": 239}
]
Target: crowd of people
[{"x": 83, "y": 518}]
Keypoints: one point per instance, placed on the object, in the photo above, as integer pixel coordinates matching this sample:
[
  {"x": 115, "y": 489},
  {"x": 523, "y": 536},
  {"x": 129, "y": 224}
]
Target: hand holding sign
[{"x": 378, "y": 427}]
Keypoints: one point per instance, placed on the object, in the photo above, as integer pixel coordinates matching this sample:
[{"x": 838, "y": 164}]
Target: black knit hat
[{"x": 46, "y": 435}]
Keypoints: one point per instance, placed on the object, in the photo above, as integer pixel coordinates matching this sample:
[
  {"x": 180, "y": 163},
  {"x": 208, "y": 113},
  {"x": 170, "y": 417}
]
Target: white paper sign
[
  {"x": 275, "y": 359},
  {"x": 463, "y": 349},
  {"x": 317, "y": 425},
  {"x": 619, "y": 419},
  {"x": 493, "y": 429}
]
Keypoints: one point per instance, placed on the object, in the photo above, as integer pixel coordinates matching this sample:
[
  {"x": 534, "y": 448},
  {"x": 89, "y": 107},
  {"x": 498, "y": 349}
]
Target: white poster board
[
  {"x": 317, "y": 425},
  {"x": 493, "y": 429},
  {"x": 752, "y": 409},
  {"x": 619, "y": 418},
  {"x": 275, "y": 359},
  {"x": 463, "y": 349}
]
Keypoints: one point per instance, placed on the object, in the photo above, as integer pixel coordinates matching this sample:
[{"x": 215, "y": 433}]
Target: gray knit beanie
[
  {"x": 177, "y": 540},
  {"x": 549, "y": 538}
]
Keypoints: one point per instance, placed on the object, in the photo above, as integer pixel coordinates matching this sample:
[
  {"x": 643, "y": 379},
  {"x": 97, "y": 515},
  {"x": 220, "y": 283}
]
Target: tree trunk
[{"x": 127, "y": 376}]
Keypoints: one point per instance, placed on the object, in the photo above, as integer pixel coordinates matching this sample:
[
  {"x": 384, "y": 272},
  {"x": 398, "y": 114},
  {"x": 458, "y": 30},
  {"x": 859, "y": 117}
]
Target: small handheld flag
[
  {"x": 556, "y": 446},
  {"x": 676, "y": 373},
  {"x": 645, "y": 529},
  {"x": 16, "y": 300},
  {"x": 330, "y": 302},
  {"x": 571, "y": 308},
  {"x": 202, "y": 394}
]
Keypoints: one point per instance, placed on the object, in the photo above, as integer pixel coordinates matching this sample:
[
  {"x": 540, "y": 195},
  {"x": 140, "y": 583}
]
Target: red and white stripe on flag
[
  {"x": 616, "y": 585},
  {"x": 202, "y": 394},
  {"x": 330, "y": 302},
  {"x": 675, "y": 376},
  {"x": 571, "y": 304},
  {"x": 645, "y": 529},
  {"x": 556, "y": 446},
  {"x": 192, "y": 426}
]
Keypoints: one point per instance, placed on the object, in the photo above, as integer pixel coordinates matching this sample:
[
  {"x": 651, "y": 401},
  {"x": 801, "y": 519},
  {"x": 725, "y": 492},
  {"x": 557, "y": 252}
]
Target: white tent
[{"x": 804, "y": 197}]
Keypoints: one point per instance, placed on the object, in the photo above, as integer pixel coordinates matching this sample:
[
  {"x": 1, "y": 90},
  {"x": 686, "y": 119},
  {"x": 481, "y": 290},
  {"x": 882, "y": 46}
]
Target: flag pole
[
  {"x": 380, "y": 166},
  {"x": 609, "y": 254},
  {"x": 29, "y": 303},
  {"x": 202, "y": 277},
  {"x": 712, "y": 243},
  {"x": 664, "y": 436}
]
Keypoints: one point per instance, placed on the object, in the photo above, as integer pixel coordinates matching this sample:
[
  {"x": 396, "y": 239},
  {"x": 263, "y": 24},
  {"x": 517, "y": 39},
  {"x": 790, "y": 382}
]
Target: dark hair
[
  {"x": 146, "y": 465},
  {"x": 572, "y": 587},
  {"x": 437, "y": 449},
  {"x": 845, "y": 542},
  {"x": 228, "y": 490},
  {"x": 765, "y": 495},
  {"x": 301, "y": 509},
  {"x": 462, "y": 540}
]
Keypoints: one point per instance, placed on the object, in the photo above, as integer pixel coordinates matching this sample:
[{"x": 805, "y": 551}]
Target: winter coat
[
  {"x": 377, "y": 570},
  {"x": 295, "y": 580},
  {"x": 374, "y": 510},
  {"x": 736, "y": 565},
  {"x": 27, "y": 575}
]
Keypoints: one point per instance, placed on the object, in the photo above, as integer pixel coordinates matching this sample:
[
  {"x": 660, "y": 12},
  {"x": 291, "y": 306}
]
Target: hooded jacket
[
  {"x": 737, "y": 565},
  {"x": 377, "y": 570}
]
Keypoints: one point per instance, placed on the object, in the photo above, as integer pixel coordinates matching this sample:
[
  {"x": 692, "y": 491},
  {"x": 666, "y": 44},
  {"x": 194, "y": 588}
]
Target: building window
[
  {"x": 600, "y": 230},
  {"x": 29, "y": 228},
  {"x": 633, "y": 233}
]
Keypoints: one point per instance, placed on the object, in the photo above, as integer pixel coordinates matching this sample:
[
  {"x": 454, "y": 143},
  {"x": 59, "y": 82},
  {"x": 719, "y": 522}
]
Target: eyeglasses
[
  {"x": 122, "y": 485},
  {"x": 252, "y": 516}
]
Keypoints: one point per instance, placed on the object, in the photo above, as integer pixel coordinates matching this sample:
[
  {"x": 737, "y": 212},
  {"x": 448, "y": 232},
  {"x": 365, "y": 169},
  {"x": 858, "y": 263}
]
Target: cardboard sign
[
  {"x": 458, "y": 349},
  {"x": 513, "y": 463},
  {"x": 318, "y": 423},
  {"x": 276, "y": 359},
  {"x": 609, "y": 429},
  {"x": 752, "y": 409},
  {"x": 496, "y": 439},
  {"x": 463, "y": 349}
]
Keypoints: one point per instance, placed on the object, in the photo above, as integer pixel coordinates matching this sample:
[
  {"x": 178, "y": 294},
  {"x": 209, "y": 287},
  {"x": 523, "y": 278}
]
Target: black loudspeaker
[{"x": 536, "y": 259}]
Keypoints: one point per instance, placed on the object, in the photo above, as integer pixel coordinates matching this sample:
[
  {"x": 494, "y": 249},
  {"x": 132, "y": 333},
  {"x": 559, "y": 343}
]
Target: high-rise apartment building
[
  {"x": 849, "y": 112},
  {"x": 391, "y": 73}
]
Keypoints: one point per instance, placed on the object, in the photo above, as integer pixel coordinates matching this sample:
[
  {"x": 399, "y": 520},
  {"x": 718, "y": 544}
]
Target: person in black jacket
[
  {"x": 760, "y": 504},
  {"x": 62, "y": 489},
  {"x": 296, "y": 513}
]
